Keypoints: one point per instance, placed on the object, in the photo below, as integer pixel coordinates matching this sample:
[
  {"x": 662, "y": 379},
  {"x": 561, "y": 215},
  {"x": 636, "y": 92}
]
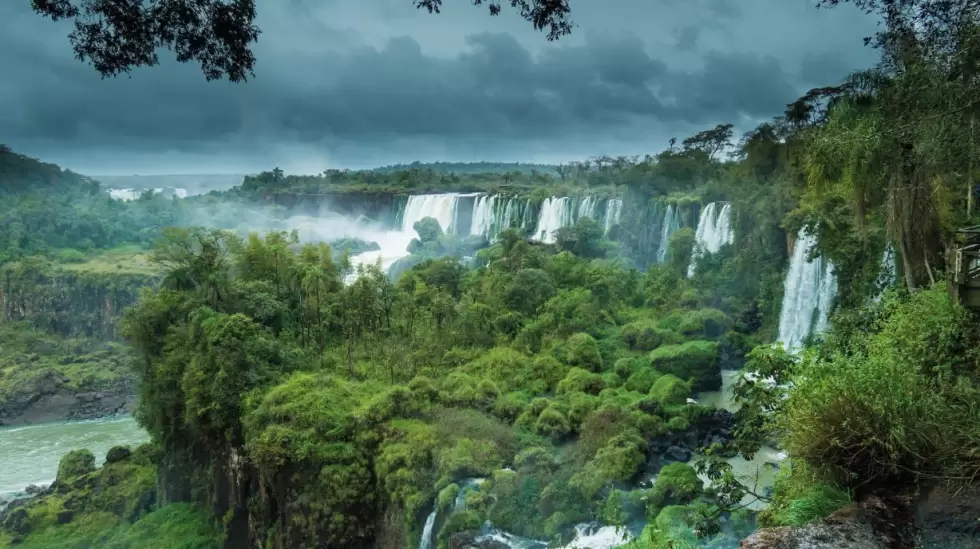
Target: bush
[
  {"x": 693, "y": 359},
  {"x": 552, "y": 423},
  {"x": 643, "y": 380},
  {"x": 670, "y": 390},
  {"x": 645, "y": 335},
  {"x": 75, "y": 464},
  {"x": 582, "y": 351},
  {"x": 581, "y": 381}
]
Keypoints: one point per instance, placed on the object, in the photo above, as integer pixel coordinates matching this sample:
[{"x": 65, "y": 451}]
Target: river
[{"x": 30, "y": 454}]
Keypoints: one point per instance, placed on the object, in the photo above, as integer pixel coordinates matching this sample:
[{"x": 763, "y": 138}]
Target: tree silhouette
[{"x": 115, "y": 36}]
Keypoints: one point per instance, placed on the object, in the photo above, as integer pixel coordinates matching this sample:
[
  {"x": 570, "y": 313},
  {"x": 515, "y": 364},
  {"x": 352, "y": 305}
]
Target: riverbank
[{"x": 45, "y": 378}]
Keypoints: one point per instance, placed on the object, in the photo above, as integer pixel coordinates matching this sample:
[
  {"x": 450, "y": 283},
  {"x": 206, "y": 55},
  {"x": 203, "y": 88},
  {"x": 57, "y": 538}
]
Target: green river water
[{"x": 30, "y": 454}]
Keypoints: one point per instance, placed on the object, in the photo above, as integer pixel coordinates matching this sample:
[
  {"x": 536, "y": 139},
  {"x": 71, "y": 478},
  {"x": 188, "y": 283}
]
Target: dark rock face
[
  {"x": 673, "y": 447},
  {"x": 951, "y": 520},
  {"x": 874, "y": 523},
  {"x": 51, "y": 400},
  {"x": 117, "y": 453}
]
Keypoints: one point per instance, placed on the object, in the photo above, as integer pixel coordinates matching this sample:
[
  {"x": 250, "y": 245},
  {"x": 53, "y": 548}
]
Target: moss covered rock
[{"x": 697, "y": 360}]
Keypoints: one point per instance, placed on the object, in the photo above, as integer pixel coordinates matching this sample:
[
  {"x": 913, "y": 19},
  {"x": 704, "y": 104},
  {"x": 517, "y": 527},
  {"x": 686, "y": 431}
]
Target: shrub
[
  {"x": 552, "y": 423},
  {"x": 581, "y": 381},
  {"x": 582, "y": 351},
  {"x": 670, "y": 390},
  {"x": 645, "y": 335},
  {"x": 693, "y": 359},
  {"x": 75, "y": 464},
  {"x": 642, "y": 380}
]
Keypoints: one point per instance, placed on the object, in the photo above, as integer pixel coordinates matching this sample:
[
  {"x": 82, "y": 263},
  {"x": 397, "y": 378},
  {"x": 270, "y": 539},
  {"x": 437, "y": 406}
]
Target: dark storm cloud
[{"x": 343, "y": 85}]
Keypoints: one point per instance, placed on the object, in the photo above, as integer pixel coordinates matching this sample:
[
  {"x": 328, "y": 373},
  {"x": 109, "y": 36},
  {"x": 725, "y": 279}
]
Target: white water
[
  {"x": 887, "y": 274},
  {"x": 593, "y": 536},
  {"x": 30, "y": 454},
  {"x": 671, "y": 223},
  {"x": 483, "y": 215},
  {"x": 714, "y": 231},
  {"x": 808, "y": 293},
  {"x": 425, "y": 542},
  {"x": 587, "y": 208},
  {"x": 556, "y": 212},
  {"x": 394, "y": 244},
  {"x": 614, "y": 209}
]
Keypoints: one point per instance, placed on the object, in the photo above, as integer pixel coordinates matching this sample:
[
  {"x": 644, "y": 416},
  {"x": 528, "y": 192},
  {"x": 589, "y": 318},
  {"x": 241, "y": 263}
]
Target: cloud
[{"x": 340, "y": 90}]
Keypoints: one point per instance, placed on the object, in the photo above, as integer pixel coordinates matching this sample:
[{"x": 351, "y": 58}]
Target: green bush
[
  {"x": 581, "y": 351},
  {"x": 697, "y": 360},
  {"x": 75, "y": 464},
  {"x": 643, "y": 380},
  {"x": 645, "y": 335},
  {"x": 670, "y": 390},
  {"x": 581, "y": 381}
]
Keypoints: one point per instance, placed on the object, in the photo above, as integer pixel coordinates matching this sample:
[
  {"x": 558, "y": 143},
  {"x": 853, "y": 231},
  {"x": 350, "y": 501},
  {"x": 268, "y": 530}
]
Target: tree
[{"x": 115, "y": 36}]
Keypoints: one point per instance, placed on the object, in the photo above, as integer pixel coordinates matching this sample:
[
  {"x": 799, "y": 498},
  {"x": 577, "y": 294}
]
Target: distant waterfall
[
  {"x": 127, "y": 195},
  {"x": 807, "y": 296},
  {"x": 587, "y": 208},
  {"x": 556, "y": 212},
  {"x": 671, "y": 223},
  {"x": 614, "y": 209},
  {"x": 493, "y": 214},
  {"x": 441, "y": 207},
  {"x": 425, "y": 542},
  {"x": 714, "y": 231}
]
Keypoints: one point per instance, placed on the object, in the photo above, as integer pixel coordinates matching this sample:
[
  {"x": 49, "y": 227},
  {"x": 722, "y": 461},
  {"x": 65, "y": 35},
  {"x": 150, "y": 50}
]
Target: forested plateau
[{"x": 682, "y": 350}]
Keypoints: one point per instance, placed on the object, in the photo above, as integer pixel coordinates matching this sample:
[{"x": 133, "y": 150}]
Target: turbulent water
[
  {"x": 614, "y": 211},
  {"x": 394, "y": 243},
  {"x": 492, "y": 214},
  {"x": 556, "y": 212},
  {"x": 714, "y": 231},
  {"x": 808, "y": 294},
  {"x": 425, "y": 542},
  {"x": 30, "y": 455}
]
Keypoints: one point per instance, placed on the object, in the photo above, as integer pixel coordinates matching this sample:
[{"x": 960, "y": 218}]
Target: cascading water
[
  {"x": 587, "y": 208},
  {"x": 614, "y": 209},
  {"x": 671, "y": 223},
  {"x": 492, "y": 214},
  {"x": 394, "y": 244},
  {"x": 714, "y": 231},
  {"x": 425, "y": 542},
  {"x": 887, "y": 273},
  {"x": 807, "y": 296},
  {"x": 556, "y": 212}
]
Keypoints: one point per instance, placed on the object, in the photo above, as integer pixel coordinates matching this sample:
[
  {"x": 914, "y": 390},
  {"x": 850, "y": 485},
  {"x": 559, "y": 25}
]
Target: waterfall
[
  {"x": 714, "y": 231},
  {"x": 492, "y": 214},
  {"x": 887, "y": 273},
  {"x": 555, "y": 213},
  {"x": 425, "y": 542},
  {"x": 614, "y": 208},
  {"x": 807, "y": 296},
  {"x": 587, "y": 208},
  {"x": 442, "y": 207},
  {"x": 671, "y": 222},
  {"x": 394, "y": 244}
]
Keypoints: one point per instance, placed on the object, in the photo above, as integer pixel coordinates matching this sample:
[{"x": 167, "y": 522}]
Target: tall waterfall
[
  {"x": 614, "y": 209},
  {"x": 442, "y": 207},
  {"x": 807, "y": 296},
  {"x": 556, "y": 212},
  {"x": 671, "y": 222},
  {"x": 714, "y": 231},
  {"x": 394, "y": 244},
  {"x": 492, "y": 214},
  {"x": 425, "y": 542}
]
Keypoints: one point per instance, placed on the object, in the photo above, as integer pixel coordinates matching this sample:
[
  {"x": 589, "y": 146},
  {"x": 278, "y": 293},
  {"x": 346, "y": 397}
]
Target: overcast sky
[{"x": 360, "y": 83}]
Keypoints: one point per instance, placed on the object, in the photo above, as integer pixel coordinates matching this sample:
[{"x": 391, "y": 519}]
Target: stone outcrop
[{"x": 874, "y": 523}]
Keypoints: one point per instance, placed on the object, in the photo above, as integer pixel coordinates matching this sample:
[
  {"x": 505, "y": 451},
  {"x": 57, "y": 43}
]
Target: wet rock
[
  {"x": 677, "y": 453},
  {"x": 16, "y": 522},
  {"x": 874, "y": 523},
  {"x": 33, "y": 490},
  {"x": 117, "y": 454}
]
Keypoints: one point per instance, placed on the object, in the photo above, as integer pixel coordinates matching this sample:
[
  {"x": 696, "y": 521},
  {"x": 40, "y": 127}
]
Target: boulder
[{"x": 874, "y": 523}]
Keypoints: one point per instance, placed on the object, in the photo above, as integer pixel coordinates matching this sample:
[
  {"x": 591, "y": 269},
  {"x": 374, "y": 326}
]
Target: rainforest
[{"x": 759, "y": 341}]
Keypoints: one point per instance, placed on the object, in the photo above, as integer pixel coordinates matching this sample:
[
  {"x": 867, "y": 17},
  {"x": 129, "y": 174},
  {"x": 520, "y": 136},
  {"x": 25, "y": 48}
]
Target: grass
[{"x": 122, "y": 260}]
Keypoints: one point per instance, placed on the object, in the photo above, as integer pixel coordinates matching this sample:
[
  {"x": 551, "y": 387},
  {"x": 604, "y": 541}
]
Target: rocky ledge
[
  {"x": 873, "y": 523},
  {"x": 52, "y": 399}
]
